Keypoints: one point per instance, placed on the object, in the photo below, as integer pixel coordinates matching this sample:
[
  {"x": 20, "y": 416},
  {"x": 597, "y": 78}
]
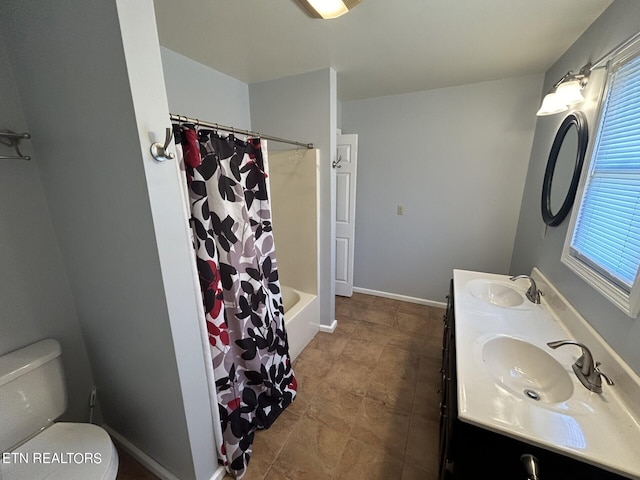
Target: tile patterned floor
[{"x": 367, "y": 406}]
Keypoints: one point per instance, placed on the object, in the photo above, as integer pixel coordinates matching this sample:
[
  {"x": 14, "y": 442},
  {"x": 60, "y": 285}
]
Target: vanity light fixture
[
  {"x": 565, "y": 92},
  {"x": 327, "y": 9}
]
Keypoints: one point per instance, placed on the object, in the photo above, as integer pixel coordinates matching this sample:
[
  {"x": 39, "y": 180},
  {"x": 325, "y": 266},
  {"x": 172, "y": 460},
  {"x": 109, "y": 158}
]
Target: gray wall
[
  {"x": 456, "y": 160},
  {"x": 35, "y": 296},
  {"x": 620, "y": 21},
  {"x": 199, "y": 91},
  {"x": 304, "y": 108},
  {"x": 90, "y": 78}
]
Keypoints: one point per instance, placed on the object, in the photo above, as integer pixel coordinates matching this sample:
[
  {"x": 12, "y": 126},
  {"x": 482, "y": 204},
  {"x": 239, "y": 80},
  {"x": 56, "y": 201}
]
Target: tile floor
[{"x": 367, "y": 405}]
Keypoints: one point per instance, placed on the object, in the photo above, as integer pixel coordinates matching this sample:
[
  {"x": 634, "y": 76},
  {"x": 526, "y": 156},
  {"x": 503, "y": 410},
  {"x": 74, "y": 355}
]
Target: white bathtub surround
[
  {"x": 294, "y": 204},
  {"x": 300, "y": 319},
  {"x": 294, "y": 209},
  {"x": 289, "y": 297},
  {"x": 599, "y": 429}
]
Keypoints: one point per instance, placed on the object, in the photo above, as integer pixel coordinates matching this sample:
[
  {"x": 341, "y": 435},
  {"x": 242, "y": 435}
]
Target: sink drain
[{"x": 532, "y": 394}]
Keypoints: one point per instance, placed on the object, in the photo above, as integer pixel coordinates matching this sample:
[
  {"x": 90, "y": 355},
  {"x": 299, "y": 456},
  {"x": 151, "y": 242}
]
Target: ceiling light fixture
[
  {"x": 327, "y": 9},
  {"x": 566, "y": 91}
]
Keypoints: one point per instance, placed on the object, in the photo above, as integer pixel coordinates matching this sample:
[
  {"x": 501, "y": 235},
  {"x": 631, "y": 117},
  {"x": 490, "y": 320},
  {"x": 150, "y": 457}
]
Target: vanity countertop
[{"x": 600, "y": 429}]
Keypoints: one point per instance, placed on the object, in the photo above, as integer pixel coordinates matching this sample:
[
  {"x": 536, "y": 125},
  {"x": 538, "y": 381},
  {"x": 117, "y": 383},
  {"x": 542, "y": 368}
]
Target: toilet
[{"x": 32, "y": 446}]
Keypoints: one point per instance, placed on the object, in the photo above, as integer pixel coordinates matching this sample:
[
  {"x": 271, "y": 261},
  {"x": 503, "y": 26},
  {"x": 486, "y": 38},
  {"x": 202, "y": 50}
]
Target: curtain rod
[
  {"x": 602, "y": 61},
  {"x": 195, "y": 121}
]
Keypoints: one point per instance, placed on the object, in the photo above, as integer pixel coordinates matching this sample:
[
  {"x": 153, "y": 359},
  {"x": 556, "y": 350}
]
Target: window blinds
[{"x": 607, "y": 232}]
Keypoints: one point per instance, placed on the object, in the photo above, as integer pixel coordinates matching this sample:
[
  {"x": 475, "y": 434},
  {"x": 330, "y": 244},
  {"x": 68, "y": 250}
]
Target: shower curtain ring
[{"x": 159, "y": 151}]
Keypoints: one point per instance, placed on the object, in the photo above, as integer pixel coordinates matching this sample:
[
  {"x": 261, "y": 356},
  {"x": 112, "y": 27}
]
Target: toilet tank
[{"x": 32, "y": 391}]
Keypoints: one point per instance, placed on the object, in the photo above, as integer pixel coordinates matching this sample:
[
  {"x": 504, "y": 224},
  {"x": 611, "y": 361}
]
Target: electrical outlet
[{"x": 400, "y": 210}]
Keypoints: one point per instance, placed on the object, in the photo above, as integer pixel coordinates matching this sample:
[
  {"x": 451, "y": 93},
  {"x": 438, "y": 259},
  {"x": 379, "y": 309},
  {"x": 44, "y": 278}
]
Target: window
[{"x": 603, "y": 242}]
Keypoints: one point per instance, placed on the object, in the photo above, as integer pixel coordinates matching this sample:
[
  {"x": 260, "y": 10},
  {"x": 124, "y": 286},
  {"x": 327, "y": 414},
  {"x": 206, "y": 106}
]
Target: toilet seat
[{"x": 63, "y": 451}]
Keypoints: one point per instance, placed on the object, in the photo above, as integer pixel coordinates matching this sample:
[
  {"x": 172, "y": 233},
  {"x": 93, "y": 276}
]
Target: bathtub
[{"x": 301, "y": 318}]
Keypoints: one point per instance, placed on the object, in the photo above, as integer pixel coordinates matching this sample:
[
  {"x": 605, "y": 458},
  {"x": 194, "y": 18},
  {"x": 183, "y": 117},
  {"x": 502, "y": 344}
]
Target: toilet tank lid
[{"x": 24, "y": 360}]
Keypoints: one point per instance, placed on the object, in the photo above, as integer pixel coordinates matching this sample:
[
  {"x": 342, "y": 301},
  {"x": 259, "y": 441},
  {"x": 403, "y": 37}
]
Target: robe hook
[
  {"x": 12, "y": 139},
  {"x": 159, "y": 151}
]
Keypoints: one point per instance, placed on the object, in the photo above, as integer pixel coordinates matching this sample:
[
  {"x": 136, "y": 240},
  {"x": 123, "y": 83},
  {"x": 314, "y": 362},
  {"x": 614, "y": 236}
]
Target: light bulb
[
  {"x": 570, "y": 92},
  {"x": 552, "y": 103},
  {"x": 329, "y": 8}
]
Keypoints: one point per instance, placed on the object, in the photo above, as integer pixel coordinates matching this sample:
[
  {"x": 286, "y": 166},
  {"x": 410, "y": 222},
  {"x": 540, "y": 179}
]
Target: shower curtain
[{"x": 231, "y": 220}]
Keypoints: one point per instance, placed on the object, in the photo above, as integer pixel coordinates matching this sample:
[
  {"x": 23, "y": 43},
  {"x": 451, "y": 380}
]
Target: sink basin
[
  {"x": 526, "y": 370},
  {"x": 495, "y": 293}
]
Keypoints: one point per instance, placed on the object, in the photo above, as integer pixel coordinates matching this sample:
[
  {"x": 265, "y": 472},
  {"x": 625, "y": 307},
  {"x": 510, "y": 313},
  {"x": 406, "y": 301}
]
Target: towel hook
[
  {"x": 159, "y": 151},
  {"x": 12, "y": 139}
]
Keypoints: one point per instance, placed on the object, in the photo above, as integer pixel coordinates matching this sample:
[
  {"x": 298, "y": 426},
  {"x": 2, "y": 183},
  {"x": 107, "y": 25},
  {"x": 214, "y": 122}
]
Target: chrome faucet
[
  {"x": 533, "y": 294},
  {"x": 530, "y": 464},
  {"x": 584, "y": 368}
]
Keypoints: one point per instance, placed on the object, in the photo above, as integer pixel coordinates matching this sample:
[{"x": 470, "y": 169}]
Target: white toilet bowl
[{"x": 32, "y": 447}]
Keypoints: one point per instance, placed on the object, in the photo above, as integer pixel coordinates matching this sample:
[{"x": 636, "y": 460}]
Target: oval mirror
[{"x": 563, "y": 169}]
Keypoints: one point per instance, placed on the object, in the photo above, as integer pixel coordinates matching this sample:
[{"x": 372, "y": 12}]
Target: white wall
[
  {"x": 456, "y": 160},
  {"x": 35, "y": 296},
  {"x": 304, "y": 108},
  {"x": 196, "y": 90},
  {"x": 90, "y": 77},
  {"x": 620, "y": 21}
]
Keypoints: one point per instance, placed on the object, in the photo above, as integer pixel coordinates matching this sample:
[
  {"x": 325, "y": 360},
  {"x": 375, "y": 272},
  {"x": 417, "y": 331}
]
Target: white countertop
[{"x": 600, "y": 429}]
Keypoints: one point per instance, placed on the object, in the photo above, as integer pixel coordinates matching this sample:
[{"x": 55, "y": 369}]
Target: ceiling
[{"x": 382, "y": 47}]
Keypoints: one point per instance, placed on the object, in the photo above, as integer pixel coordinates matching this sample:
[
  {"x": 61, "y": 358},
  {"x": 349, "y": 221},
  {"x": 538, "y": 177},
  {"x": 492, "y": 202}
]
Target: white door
[{"x": 345, "y": 167}]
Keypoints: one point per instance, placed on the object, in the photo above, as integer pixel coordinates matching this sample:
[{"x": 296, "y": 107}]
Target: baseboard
[
  {"x": 219, "y": 474},
  {"x": 148, "y": 462},
  {"x": 328, "y": 328},
  {"x": 403, "y": 298}
]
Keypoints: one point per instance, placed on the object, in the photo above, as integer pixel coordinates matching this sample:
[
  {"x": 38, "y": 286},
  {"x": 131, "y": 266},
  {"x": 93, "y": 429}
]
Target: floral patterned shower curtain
[{"x": 231, "y": 220}]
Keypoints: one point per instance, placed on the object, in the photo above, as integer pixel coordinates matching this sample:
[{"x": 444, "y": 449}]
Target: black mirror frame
[{"x": 578, "y": 119}]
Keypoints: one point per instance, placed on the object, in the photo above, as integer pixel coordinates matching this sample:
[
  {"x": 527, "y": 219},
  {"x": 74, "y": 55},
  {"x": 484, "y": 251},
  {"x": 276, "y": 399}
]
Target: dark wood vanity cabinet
[
  {"x": 471, "y": 452},
  {"x": 448, "y": 407}
]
